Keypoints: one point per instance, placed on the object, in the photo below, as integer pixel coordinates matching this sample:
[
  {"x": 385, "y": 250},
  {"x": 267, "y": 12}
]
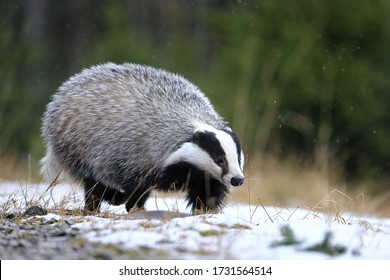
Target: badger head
[{"x": 215, "y": 152}]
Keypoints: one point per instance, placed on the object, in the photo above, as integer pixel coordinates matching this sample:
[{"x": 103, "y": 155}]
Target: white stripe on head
[
  {"x": 230, "y": 148},
  {"x": 193, "y": 154}
]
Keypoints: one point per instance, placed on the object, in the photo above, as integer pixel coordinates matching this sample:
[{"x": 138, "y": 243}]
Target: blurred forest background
[{"x": 305, "y": 84}]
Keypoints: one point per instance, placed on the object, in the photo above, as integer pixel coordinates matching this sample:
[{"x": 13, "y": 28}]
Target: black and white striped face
[{"x": 217, "y": 152}]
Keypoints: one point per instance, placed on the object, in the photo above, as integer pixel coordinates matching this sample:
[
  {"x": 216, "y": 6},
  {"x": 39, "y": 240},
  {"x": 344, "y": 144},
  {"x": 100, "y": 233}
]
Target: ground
[{"x": 37, "y": 222}]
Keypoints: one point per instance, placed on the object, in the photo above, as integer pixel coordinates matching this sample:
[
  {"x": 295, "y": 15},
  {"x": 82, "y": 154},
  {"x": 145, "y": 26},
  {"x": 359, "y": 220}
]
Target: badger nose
[{"x": 237, "y": 181}]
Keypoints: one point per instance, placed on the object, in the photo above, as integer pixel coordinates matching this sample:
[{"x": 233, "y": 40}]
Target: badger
[{"x": 122, "y": 131}]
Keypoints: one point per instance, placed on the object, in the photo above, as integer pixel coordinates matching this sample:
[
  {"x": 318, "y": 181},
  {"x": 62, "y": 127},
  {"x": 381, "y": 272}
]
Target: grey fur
[{"x": 113, "y": 120}]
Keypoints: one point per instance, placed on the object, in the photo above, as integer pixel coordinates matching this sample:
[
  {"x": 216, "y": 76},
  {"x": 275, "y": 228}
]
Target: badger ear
[{"x": 197, "y": 137}]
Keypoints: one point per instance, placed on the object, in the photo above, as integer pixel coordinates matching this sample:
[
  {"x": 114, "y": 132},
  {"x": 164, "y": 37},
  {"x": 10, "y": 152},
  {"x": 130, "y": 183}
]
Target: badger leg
[
  {"x": 92, "y": 195},
  {"x": 203, "y": 193},
  {"x": 95, "y": 192},
  {"x": 207, "y": 195},
  {"x": 137, "y": 198}
]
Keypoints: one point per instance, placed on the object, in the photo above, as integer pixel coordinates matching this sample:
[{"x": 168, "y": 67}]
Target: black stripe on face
[
  {"x": 237, "y": 142},
  {"x": 208, "y": 142}
]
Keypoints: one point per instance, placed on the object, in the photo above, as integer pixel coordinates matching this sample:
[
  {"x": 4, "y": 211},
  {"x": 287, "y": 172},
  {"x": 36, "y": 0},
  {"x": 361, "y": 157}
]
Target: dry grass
[
  {"x": 13, "y": 170},
  {"x": 294, "y": 184}
]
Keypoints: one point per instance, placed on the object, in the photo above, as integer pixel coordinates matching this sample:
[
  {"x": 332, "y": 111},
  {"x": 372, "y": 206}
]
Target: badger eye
[{"x": 220, "y": 160}]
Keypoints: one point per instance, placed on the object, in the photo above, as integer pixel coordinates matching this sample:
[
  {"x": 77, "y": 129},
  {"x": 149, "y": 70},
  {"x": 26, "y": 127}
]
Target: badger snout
[{"x": 237, "y": 181}]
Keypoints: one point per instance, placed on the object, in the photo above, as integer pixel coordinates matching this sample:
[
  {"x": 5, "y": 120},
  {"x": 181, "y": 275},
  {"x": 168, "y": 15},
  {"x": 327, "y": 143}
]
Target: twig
[{"x": 265, "y": 210}]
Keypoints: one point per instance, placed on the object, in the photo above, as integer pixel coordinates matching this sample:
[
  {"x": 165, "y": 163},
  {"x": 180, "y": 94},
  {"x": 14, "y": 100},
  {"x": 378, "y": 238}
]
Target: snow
[{"x": 241, "y": 231}]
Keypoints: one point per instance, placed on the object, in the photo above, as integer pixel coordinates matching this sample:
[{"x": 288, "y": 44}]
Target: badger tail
[{"x": 51, "y": 169}]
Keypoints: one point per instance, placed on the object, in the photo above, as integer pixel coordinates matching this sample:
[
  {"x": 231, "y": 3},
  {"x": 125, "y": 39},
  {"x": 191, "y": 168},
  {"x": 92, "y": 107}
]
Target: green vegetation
[
  {"x": 304, "y": 79},
  {"x": 326, "y": 247},
  {"x": 288, "y": 237},
  {"x": 211, "y": 232}
]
